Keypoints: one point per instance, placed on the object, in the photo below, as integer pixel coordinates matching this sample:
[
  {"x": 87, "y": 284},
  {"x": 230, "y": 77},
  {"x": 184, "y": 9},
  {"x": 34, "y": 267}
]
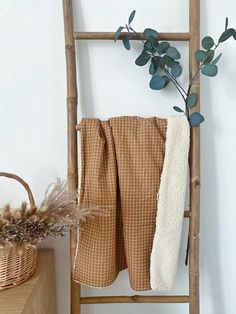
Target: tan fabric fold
[{"x": 121, "y": 167}]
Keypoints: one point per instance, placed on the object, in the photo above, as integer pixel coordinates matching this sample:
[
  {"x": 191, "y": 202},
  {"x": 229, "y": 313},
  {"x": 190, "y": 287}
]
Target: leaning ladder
[{"x": 194, "y": 159}]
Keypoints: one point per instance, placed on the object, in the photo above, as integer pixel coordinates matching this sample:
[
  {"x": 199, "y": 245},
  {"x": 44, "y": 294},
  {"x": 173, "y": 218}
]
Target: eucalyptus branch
[
  {"x": 137, "y": 34},
  {"x": 169, "y": 75},
  {"x": 173, "y": 79},
  {"x": 164, "y": 67},
  {"x": 175, "y": 82},
  {"x": 203, "y": 63}
]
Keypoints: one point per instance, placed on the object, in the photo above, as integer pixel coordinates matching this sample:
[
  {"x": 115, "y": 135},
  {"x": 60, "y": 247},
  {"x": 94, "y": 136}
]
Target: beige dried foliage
[{"x": 58, "y": 213}]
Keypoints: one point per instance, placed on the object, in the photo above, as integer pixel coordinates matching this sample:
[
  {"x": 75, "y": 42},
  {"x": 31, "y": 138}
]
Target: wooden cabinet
[{"x": 37, "y": 294}]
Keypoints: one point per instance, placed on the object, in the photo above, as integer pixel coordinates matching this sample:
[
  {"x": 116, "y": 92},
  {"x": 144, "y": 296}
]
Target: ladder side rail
[
  {"x": 194, "y": 160},
  {"x": 72, "y": 172},
  {"x": 194, "y": 163}
]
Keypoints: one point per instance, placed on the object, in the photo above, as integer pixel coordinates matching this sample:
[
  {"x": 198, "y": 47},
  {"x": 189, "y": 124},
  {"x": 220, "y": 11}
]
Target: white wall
[{"x": 33, "y": 123}]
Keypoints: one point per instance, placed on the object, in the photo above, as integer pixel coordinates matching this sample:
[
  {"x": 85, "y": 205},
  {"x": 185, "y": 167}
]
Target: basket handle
[{"x": 25, "y": 185}]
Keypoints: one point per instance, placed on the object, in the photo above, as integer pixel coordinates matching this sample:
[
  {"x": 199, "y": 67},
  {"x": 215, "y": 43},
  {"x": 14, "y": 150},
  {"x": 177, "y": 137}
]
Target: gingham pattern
[{"x": 121, "y": 166}]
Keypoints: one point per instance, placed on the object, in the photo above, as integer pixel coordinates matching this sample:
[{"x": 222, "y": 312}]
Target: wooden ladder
[{"x": 192, "y": 37}]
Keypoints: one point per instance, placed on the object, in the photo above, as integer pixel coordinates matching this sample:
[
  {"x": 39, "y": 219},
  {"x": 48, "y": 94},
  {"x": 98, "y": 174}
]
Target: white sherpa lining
[{"x": 170, "y": 205}]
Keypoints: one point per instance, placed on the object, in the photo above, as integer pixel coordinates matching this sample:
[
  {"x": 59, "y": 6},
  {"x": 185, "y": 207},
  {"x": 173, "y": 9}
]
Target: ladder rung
[
  {"x": 110, "y": 36},
  {"x": 187, "y": 214},
  {"x": 135, "y": 299}
]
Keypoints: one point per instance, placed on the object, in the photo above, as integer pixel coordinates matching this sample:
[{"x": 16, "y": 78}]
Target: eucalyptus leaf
[
  {"x": 154, "y": 41},
  {"x": 118, "y": 32},
  {"x": 156, "y": 60},
  {"x": 209, "y": 70},
  {"x": 131, "y": 17},
  {"x": 143, "y": 58},
  {"x": 209, "y": 56},
  {"x": 164, "y": 45},
  {"x": 152, "y": 68},
  {"x": 147, "y": 45},
  {"x": 177, "y": 109},
  {"x": 200, "y": 55},
  {"x": 168, "y": 80},
  {"x": 158, "y": 82},
  {"x": 207, "y": 42},
  {"x": 196, "y": 119},
  {"x": 191, "y": 100},
  {"x": 176, "y": 70},
  {"x": 127, "y": 27},
  {"x": 173, "y": 53},
  {"x": 150, "y": 32},
  {"x": 226, "y": 34},
  {"x": 161, "y": 62},
  {"x": 217, "y": 59},
  {"x": 226, "y": 23},
  {"x": 151, "y": 44},
  {"x": 169, "y": 61},
  {"x": 126, "y": 43}
]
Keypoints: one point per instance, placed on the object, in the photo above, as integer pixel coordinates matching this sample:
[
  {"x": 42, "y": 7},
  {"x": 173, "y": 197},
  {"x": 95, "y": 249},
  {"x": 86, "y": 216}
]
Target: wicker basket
[{"x": 16, "y": 268}]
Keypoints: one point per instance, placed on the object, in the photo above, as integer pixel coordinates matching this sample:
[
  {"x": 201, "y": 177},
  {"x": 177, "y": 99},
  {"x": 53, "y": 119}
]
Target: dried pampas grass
[{"x": 58, "y": 213}]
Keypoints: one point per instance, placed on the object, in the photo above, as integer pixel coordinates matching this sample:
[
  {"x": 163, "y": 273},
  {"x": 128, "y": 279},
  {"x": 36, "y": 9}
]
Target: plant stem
[
  {"x": 175, "y": 82},
  {"x": 173, "y": 79},
  {"x": 139, "y": 37},
  {"x": 195, "y": 75},
  {"x": 168, "y": 74}
]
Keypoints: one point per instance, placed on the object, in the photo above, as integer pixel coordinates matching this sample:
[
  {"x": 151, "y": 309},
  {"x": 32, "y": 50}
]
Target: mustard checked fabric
[{"x": 125, "y": 163}]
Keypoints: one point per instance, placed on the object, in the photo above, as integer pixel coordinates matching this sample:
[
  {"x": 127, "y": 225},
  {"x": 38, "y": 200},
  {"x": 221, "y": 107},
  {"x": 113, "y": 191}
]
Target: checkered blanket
[{"x": 136, "y": 169}]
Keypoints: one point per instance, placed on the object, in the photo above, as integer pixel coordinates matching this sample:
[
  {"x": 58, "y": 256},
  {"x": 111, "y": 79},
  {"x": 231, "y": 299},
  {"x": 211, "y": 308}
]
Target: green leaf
[
  {"x": 151, "y": 44},
  {"x": 209, "y": 56},
  {"x": 169, "y": 61},
  {"x": 150, "y": 32},
  {"x": 156, "y": 60},
  {"x": 217, "y": 59},
  {"x": 207, "y": 42},
  {"x": 209, "y": 70},
  {"x": 167, "y": 80},
  {"x": 200, "y": 55},
  {"x": 143, "y": 58},
  {"x": 118, "y": 32},
  {"x": 158, "y": 82},
  {"x": 164, "y": 45},
  {"x": 226, "y": 35},
  {"x": 126, "y": 43},
  {"x": 152, "y": 69},
  {"x": 147, "y": 45},
  {"x": 154, "y": 64},
  {"x": 191, "y": 100},
  {"x": 196, "y": 119},
  {"x": 177, "y": 109},
  {"x": 226, "y": 23},
  {"x": 161, "y": 62},
  {"x": 176, "y": 70},
  {"x": 154, "y": 41},
  {"x": 131, "y": 17},
  {"x": 234, "y": 35},
  {"x": 173, "y": 53}
]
